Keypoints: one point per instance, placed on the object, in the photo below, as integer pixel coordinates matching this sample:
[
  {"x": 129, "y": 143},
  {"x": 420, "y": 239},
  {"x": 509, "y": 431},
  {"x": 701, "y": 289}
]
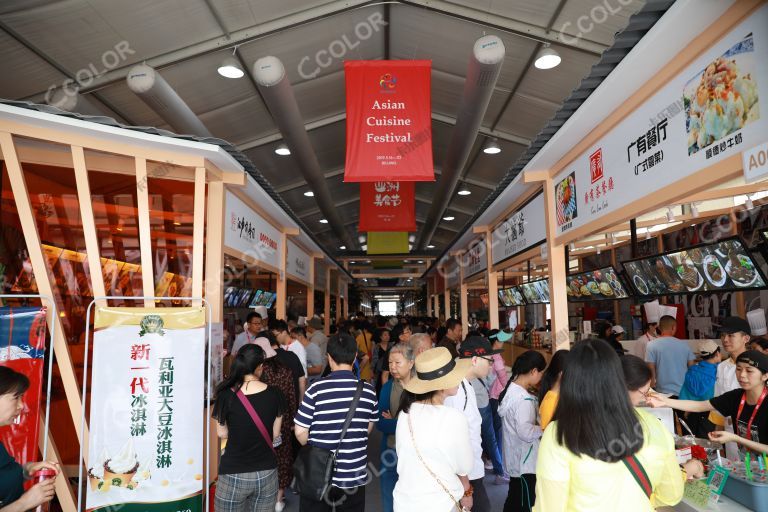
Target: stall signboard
[
  {"x": 389, "y": 121},
  {"x": 298, "y": 262},
  {"x": 23, "y": 350},
  {"x": 522, "y": 230},
  {"x": 451, "y": 270},
  {"x": 536, "y": 292},
  {"x": 709, "y": 112},
  {"x": 475, "y": 260},
  {"x": 602, "y": 284},
  {"x": 511, "y": 297},
  {"x": 249, "y": 233},
  {"x": 321, "y": 283},
  {"x": 755, "y": 162},
  {"x": 146, "y": 424},
  {"x": 726, "y": 265},
  {"x": 388, "y": 206},
  {"x": 216, "y": 364}
]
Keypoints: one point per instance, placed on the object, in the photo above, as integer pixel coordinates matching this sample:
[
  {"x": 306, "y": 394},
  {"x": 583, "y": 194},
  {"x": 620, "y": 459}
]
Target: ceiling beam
[
  {"x": 303, "y": 183},
  {"x": 315, "y": 211},
  {"x": 454, "y": 208},
  {"x": 515, "y": 27}
]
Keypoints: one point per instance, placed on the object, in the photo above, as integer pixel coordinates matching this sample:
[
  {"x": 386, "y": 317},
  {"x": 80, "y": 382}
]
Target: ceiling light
[
  {"x": 177, "y": 223},
  {"x": 282, "y": 150},
  {"x": 365, "y": 248},
  {"x": 748, "y": 203},
  {"x": 598, "y": 250},
  {"x": 670, "y": 215},
  {"x": 421, "y": 261},
  {"x": 410, "y": 247},
  {"x": 430, "y": 246},
  {"x": 547, "y": 58},
  {"x": 351, "y": 262},
  {"x": 361, "y": 239},
  {"x": 449, "y": 218},
  {"x": 694, "y": 211},
  {"x": 464, "y": 192},
  {"x": 230, "y": 68},
  {"x": 647, "y": 233},
  {"x": 309, "y": 193},
  {"x": 492, "y": 147},
  {"x": 572, "y": 247},
  {"x": 412, "y": 238},
  {"x": 342, "y": 247},
  {"x": 323, "y": 221}
]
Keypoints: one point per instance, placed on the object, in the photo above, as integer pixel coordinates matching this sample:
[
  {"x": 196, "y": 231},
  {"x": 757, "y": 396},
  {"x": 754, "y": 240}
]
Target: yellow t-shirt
[
  {"x": 566, "y": 482},
  {"x": 366, "y": 345},
  {"x": 547, "y": 408}
]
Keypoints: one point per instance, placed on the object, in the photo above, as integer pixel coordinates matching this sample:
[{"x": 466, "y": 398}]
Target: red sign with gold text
[
  {"x": 388, "y": 206},
  {"x": 389, "y": 125}
]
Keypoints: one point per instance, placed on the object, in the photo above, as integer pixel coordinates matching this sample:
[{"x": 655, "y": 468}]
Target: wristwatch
[{"x": 468, "y": 493}]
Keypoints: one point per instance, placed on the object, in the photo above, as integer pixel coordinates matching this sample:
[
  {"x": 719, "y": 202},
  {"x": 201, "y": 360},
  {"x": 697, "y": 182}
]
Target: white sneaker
[
  {"x": 488, "y": 465},
  {"x": 279, "y": 506}
]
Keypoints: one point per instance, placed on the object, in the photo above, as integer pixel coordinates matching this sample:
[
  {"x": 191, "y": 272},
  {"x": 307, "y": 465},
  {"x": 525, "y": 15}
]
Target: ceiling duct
[
  {"x": 482, "y": 74},
  {"x": 269, "y": 74},
  {"x": 67, "y": 98},
  {"x": 153, "y": 90}
]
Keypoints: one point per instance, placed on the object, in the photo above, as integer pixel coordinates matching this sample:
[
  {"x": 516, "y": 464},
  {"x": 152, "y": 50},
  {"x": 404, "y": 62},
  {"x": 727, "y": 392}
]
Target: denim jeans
[
  {"x": 490, "y": 445},
  {"x": 388, "y": 478}
]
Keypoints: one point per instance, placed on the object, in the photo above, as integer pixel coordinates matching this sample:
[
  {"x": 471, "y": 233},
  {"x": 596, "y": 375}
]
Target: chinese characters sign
[
  {"x": 146, "y": 424},
  {"x": 475, "y": 259},
  {"x": 247, "y": 232},
  {"x": 389, "y": 124},
  {"x": 522, "y": 230},
  {"x": 387, "y": 206}
]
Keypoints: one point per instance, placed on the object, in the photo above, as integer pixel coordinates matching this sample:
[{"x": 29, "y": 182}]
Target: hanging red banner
[
  {"x": 388, "y": 206},
  {"x": 389, "y": 124},
  {"x": 22, "y": 331}
]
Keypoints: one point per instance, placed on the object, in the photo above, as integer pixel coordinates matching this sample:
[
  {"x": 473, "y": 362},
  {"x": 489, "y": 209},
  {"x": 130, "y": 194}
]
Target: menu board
[
  {"x": 255, "y": 299},
  {"x": 536, "y": 292},
  {"x": 726, "y": 265},
  {"x": 511, "y": 297},
  {"x": 602, "y": 284}
]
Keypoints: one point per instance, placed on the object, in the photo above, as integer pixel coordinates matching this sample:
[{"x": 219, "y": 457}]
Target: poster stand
[
  {"x": 52, "y": 331},
  {"x": 206, "y": 484}
]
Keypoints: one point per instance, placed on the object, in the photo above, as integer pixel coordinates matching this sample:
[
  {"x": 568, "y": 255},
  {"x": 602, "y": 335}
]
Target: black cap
[
  {"x": 754, "y": 358},
  {"x": 477, "y": 346},
  {"x": 734, "y": 324}
]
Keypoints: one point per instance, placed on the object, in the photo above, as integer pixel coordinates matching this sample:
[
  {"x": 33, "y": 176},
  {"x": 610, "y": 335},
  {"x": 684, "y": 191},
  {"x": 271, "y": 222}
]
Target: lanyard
[{"x": 754, "y": 411}]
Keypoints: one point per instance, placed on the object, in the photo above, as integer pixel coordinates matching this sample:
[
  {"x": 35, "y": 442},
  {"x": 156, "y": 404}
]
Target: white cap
[
  {"x": 652, "y": 311},
  {"x": 668, "y": 311},
  {"x": 262, "y": 311},
  {"x": 756, "y": 319},
  {"x": 617, "y": 329}
]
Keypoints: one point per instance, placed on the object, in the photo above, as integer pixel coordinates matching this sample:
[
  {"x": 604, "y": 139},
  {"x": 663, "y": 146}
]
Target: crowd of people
[{"x": 297, "y": 409}]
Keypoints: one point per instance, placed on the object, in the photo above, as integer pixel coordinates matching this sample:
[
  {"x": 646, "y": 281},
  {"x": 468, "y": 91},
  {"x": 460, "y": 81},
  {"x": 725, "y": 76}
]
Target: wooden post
[
  {"x": 493, "y": 284},
  {"x": 338, "y": 298},
  {"x": 282, "y": 278},
  {"x": 311, "y": 289},
  {"x": 198, "y": 235},
  {"x": 447, "y": 303},
  {"x": 437, "y": 305},
  {"x": 463, "y": 303},
  {"x": 557, "y": 274},
  {"x": 327, "y": 305},
  {"x": 145, "y": 232}
]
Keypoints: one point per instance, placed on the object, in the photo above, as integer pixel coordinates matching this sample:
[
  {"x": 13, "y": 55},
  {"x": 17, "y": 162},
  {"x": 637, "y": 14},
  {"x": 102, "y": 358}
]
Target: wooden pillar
[
  {"x": 437, "y": 305},
  {"x": 447, "y": 303},
  {"x": 145, "y": 233},
  {"x": 493, "y": 284},
  {"x": 429, "y": 303},
  {"x": 311, "y": 289},
  {"x": 327, "y": 305},
  {"x": 282, "y": 278},
  {"x": 463, "y": 303},
  {"x": 338, "y": 298},
  {"x": 346, "y": 299},
  {"x": 557, "y": 274},
  {"x": 616, "y": 304},
  {"x": 198, "y": 235}
]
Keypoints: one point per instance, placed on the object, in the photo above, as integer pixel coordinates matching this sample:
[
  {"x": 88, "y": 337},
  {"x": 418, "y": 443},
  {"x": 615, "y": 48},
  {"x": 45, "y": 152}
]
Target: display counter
[
  {"x": 513, "y": 350},
  {"x": 724, "y": 505}
]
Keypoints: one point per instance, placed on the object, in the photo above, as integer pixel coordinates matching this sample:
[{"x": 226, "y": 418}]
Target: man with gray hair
[{"x": 420, "y": 342}]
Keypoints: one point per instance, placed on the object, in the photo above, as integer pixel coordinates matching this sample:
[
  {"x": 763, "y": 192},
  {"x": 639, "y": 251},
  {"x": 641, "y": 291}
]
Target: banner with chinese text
[
  {"x": 388, "y": 206},
  {"x": 387, "y": 242},
  {"x": 22, "y": 331},
  {"x": 389, "y": 123},
  {"x": 146, "y": 420}
]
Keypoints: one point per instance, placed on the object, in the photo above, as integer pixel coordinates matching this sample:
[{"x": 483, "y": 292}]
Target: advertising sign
[
  {"x": 524, "y": 229},
  {"x": 387, "y": 206},
  {"x": 146, "y": 420},
  {"x": 248, "y": 232},
  {"x": 389, "y": 121}
]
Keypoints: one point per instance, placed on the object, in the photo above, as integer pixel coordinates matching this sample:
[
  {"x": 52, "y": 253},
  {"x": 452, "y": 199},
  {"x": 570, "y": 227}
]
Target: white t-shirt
[
  {"x": 242, "y": 339},
  {"x": 297, "y": 348},
  {"x": 640, "y": 346},
  {"x": 466, "y": 395},
  {"x": 726, "y": 381},
  {"x": 442, "y": 439}
]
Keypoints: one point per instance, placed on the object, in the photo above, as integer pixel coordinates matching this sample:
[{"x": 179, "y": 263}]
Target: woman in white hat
[{"x": 432, "y": 440}]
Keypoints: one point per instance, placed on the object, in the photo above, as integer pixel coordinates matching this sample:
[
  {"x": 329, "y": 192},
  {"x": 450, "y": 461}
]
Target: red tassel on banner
[
  {"x": 388, "y": 206},
  {"x": 389, "y": 123}
]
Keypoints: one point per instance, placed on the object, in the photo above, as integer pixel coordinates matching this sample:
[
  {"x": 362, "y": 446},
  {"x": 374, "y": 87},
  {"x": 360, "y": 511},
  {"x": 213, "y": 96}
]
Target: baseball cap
[
  {"x": 477, "y": 346},
  {"x": 708, "y": 348},
  {"x": 733, "y": 324},
  {"x": 269, "y": 352},
  {"x": 617, "y": 329},
  {"x": 315, "y": 323},
  {"x": 754, "y": 358}
]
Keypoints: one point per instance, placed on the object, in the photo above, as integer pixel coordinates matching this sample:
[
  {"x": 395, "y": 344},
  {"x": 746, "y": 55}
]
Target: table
[{"x": 724, "y": 505}]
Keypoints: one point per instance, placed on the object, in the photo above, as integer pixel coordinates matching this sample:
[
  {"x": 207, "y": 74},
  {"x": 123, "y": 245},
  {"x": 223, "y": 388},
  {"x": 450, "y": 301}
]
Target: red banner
[
  {"x": 388, "y": 206},
  {"x": 389, "y": 124},
  {"x": 22, "y": 348}
]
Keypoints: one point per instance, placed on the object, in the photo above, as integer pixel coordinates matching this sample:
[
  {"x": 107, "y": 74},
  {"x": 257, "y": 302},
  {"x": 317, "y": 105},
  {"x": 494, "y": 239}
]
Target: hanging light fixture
[
  {"x": 748, "y": 203},
  {"x": 309, "y": 193},
  {"x": 598, "y": 250},
  {"x": 547, "y": 58},
  {"x": 647, "y": 233},
  {"x": 492, "y": 147},
  {"x": 670, "y": 215},
  {"x": 464, "y": 192},
  {"x": 282, "y": 150},
  {"x": 323, "y": 221},
  {"x": 230, "y": 67},
  {"x": 430, "y": 246},
  {"x": 572, "y": 247},
  {"x": 694, "y": 211}
]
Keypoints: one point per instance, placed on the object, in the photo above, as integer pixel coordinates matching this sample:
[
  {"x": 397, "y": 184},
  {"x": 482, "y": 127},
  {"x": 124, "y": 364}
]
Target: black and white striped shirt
[{"x": 323, "y": 411}]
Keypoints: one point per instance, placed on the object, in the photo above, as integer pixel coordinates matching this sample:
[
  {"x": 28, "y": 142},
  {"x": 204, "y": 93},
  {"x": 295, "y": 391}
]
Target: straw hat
[{"x": 435, "y": 370}]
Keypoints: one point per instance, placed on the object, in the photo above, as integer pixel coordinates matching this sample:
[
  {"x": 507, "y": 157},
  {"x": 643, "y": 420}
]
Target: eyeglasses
[{"x": 489, "y": 359}]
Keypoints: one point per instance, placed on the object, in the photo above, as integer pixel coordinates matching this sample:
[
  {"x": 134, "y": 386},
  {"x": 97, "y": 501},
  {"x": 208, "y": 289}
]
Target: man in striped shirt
[{"x": 319, "y": 422}]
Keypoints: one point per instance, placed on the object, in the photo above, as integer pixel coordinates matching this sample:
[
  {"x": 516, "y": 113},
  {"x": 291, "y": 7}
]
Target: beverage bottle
[{"x": 40, "y": 476}]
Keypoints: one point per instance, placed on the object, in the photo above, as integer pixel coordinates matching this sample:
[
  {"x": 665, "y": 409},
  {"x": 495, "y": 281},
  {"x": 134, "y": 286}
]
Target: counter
[
  {"x": 513, "y": 350},
  {"x": 724, "y": 505}
]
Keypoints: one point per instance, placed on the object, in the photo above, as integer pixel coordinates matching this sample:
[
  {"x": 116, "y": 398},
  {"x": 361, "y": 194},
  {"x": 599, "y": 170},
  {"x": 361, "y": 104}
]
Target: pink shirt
[{"x": 501, "y": 376}]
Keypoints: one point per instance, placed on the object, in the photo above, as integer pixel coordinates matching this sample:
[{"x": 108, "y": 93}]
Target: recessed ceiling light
[
  {"x": 421, "y": 261},
  {"x": 430, "y": 246},
  {"x": 351, "y": 262},
  {"x": 282, "y": 150},
  {"x": 547, "y": 58},
  {"x": 309, "y": 193},
  {"x": 492, "y": 148},
  {"x": 449, "y": 218},
  {"x": 323, "y": 221},
  {"x": 342, "y": 247},
  {"x": 464, "y": 192},
  {"x": 230, "y": 68}
]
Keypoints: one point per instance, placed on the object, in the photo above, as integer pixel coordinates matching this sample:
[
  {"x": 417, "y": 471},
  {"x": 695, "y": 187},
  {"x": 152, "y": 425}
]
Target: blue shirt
[
  {"x": 699, "y": 382},
  {"x": 671, "y": 356},
  {"x": 323, "y": 410}
]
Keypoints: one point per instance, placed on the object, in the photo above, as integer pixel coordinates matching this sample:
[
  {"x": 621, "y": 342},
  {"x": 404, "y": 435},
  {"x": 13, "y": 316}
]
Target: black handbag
[{"x": 314, "y": 466}]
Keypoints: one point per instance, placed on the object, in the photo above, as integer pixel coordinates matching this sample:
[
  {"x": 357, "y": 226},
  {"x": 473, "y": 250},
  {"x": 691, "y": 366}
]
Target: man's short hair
[
  {"x": 252, "y": 315},
  {"x": 342, "y": 348},
  {"x": 451, "y": 323},
  {"x": 418, "y": 339},
  {"x": 278, "y": 325},
  {"x": 667, "y": 323},
  {"x": 299, "y": 331}
]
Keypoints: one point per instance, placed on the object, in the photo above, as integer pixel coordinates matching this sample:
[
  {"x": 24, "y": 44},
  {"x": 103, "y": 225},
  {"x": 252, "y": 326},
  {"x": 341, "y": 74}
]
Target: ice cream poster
[
  {"x": 146, "y": 411},
  {"x": 22, "y": 331}
]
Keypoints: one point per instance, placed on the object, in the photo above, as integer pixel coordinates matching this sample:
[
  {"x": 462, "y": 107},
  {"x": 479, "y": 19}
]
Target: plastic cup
[{"x": 40, "y": 476}]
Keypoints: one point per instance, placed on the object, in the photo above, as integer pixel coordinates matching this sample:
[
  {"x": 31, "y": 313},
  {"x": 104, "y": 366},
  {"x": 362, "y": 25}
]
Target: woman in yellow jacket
[{"x": 593, "y": 454}]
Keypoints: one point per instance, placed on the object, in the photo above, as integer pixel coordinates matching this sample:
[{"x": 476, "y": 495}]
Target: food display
[
  {"x": 511, "y": 297},
  {"x": 536, "y": 292},
  {"x": 255, "y": 299},
  {"x": 724, "y": 265},
  {"x": 602, "y": 284}
]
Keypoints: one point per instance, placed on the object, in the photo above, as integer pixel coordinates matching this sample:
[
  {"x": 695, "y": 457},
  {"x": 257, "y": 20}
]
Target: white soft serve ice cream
[
  {"x": 143, "y": 473},
  {"x": 98, "y": 467},
  {"x": 125, "y": 461}
]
